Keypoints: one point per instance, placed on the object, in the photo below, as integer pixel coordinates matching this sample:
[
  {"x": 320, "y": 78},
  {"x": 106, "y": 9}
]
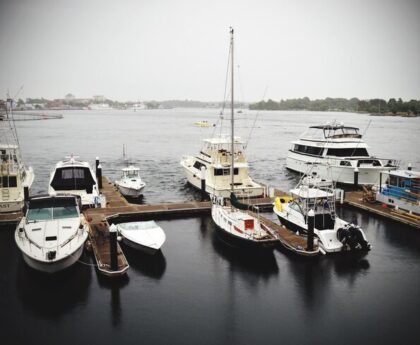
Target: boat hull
[
  {"x": 11, "y": 206},
  {"x": 131, "y": 192},
  {"x": 140, "y": 247},
  {"x": 55, "y": 266}
]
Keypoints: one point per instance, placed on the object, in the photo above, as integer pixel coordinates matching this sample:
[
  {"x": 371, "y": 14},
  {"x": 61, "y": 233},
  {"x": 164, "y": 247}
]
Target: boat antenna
[{"x": 232, "y": 115}]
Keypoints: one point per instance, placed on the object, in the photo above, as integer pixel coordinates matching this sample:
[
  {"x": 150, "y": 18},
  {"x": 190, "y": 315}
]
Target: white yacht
[
  {"x": 145, "y": 236},
  {"x": 333, "y": 234},
  {"x": 215, "y": 160},
  {"x": 336, "y": 150},
  {"x": 52, "y": 233},
  {"x": 235, "y": 223},
  {"x": 76, "y": 178},
  {"x": 131, "y": 184},
  {"x": 14, "y": 176}
]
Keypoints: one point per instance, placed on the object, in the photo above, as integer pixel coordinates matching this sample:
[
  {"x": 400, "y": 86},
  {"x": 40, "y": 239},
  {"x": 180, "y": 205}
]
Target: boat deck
[{"x": 357, "y": 199}]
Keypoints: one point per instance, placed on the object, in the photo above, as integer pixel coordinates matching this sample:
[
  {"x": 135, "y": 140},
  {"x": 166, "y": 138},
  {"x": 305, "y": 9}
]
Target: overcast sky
[{"x": 157, "y": 49}]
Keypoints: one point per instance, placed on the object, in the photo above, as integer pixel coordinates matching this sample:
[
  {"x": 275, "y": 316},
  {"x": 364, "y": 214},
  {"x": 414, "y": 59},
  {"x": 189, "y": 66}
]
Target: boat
[
  {"x": 99, "y": 106},
  {"x": 74, "y": 177},
  {"x": 14, "y": 176},
  {"x": 238, "y": 224},
  {"x": 318, "y": 195},
  {"x": 52, "y": 233},
  {"x": 400, "y": 190},
  {"x": 131, "y": 184},
  {"x": 203, "y": 123},
  {"x": 335, "y": 151},
  {"x": 145, "y": 236}
]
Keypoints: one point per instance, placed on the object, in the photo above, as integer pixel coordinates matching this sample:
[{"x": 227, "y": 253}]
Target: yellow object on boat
[
  {"x": 203, "y": 124},
  {"x": 280, "y": 200}
]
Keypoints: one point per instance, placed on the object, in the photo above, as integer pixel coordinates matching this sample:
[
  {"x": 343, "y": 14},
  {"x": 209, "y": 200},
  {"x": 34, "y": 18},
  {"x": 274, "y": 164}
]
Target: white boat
[
  {"x": 145, "y": 236},
  {"x": 235, "y": 223},
  {"x": 333, "y": 234},
  {"x": 335, "y": 151},
  {"x": 76, "y": 178},
  {"x": 14, "y": 176},
  {"x": 99, "y": 106},
  {"x": 131, "y": 183},
  {"x": 400, "y": 190},
  {"x": 52, "y": 233},
  {"x": 215, "y": 160}
]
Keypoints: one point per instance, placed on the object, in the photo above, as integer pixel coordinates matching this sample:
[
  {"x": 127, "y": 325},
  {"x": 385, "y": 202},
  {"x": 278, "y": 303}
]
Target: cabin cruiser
[
  {"x": 14, "y": 176},
  {"x": 335, "y": 151},
  {"x": 76, "y": 178},
  {"x": 401, "y": 190},
  {"x": 52, "y": 233},
  {"x": 131, "y": 184},
  {"x": 145, "y": 236},
  {"x": 318, "y": 195},
  {"x": 213, "y": 164}
]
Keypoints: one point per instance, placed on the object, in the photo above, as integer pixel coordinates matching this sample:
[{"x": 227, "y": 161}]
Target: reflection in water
[
  {"x": 53, "y": 295},
  {"x": 153, "y": 266}
]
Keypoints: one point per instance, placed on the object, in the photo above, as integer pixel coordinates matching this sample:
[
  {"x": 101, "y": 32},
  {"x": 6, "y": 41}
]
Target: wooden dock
[
  {"x": 10, "y": 218},
  {"x": 357, "y": 200}
]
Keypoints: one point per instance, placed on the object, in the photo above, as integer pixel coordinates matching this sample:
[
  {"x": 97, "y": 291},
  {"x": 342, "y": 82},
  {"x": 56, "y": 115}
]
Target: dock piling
[
  {"x": 113, "y": 247},
  {"x": 356, "y": 178},
  {"x": 99, "y": 176},
  {"x": 203, "y": 183},
  {"x": 409, "y": 167},
  {"x": 26, "y": 193},
  {"x": 311, "y": 225}
]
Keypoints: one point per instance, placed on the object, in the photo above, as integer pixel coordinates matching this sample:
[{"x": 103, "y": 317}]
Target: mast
[{"x": 231, "y": 114}]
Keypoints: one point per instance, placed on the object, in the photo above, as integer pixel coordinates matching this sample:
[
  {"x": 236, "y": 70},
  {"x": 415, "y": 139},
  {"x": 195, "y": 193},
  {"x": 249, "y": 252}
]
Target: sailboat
[
  {"x": 237, "y": 223},
  {"x": 14, "y": 176}
]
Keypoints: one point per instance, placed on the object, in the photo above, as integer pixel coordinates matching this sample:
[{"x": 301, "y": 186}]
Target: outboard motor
[{"x": 352, "y": 236}]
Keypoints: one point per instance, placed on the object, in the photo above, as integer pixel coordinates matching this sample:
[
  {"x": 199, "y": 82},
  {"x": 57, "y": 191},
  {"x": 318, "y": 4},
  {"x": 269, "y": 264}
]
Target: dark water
[{"x": 199, "y": 291}]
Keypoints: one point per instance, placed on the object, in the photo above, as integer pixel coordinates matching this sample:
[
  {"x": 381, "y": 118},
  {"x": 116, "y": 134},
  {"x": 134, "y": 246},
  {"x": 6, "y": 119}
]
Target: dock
[{"x": 356, "y": 199}]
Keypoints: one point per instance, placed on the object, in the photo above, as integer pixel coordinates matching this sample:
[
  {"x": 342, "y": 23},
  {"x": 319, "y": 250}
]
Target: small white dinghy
[
  {"x": 145, "y": 236},
  {"x": 131, "y": 183}
]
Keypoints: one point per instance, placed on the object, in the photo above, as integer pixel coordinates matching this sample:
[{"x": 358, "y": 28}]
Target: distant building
[
  {"x": 99, "y": 99},
  {"x": 70, "y": 97}
]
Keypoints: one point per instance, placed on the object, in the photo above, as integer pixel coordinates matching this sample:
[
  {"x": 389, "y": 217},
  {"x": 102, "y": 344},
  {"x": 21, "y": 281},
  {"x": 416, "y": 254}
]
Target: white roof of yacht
[
  {"x": 7, "y": 146},
  {"x": 310, "y": 193},
  {"x": 131, "y": 168},
  {"x": 72, "y": 162},
  {"x": 404, "y": 173},
  {"x": 223, "y": 140}
]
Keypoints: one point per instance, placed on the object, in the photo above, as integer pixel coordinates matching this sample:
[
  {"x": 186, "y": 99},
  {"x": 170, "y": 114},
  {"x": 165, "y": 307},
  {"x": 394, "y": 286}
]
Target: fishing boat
[
  {"x": 131, "y": 184},
  {"x": 203, "y": 123},
  {"x": 334, "y": 151},
  {"x": 14, "y": 176},
  {"x": 400, "y": 190},
  {"x": 314, "y": 194},
  {"x": 238, "y": 223},
  {"x": 74, "y": 177},
  {"x": 52, "y": 233},
  {"x": 146, "y": 236}
]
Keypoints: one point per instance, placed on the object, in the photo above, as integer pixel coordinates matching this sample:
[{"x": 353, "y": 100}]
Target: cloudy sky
[{"x": 161, "y": 49}]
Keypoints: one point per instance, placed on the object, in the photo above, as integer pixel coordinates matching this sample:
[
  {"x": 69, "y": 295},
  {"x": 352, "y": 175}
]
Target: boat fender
[{"x": 279, "y": 206}]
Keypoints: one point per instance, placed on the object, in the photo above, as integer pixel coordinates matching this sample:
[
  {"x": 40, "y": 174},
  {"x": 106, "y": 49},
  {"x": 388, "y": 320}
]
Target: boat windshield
[
  {"x": 51, "y": 213},
  {"x": 131, "y": 173}
]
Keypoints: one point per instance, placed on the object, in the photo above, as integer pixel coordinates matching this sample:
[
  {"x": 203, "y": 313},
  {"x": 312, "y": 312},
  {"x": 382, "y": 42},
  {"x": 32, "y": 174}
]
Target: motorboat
[
  {"x": 52, "y": 233},
  {"x": 75, "y": 177},
  {"x": 203, "y": 123},
  {"x": 335, "y": 151},
  {"x": 318, "y": 195},
  {"x": 145, "y": 236},
  {"x": 400, "y": 190},
  {"x": 14, "y": 176},
  {"x": 213, "y": 165},
  {"x": 131, "y": 184},
  {"x": 236, "y": 223}
]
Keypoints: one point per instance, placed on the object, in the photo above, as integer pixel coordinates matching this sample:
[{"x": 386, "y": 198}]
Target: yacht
[
  {"x": 333, "y": 233},
  {"x": 131, "y": 184},
  {"x": 76, "y": 178},
  {"x": 336, "y": 150},
  {"x": 145, "y": 236},
  {"x": 236, "y": 223},
  {"x": 213, "y": 164},
  {"x": 52, "y": 233},
  {"x": 14, "y": 176},
  {"x": 401, "y": 190}
]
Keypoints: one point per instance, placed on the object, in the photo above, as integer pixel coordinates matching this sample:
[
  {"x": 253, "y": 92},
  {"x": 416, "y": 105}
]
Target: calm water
[{"x": 199, "y": 291}]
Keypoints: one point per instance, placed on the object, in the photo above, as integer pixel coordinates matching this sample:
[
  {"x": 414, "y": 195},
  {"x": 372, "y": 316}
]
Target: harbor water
[{"x": 199, "y": 290}]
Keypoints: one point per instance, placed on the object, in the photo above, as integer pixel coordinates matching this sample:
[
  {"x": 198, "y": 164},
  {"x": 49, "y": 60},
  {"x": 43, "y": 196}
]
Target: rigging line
[
  {"x": 255, "y": 121},
  {"x": 225, "y": 92}
]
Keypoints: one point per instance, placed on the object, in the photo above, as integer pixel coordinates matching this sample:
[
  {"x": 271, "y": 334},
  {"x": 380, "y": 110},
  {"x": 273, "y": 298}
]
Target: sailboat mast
[{"x": 232, "y": 170}]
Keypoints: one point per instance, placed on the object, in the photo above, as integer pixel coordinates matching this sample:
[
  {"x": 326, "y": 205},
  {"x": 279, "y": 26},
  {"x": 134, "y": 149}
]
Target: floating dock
[{"x": 357, "y": 199}]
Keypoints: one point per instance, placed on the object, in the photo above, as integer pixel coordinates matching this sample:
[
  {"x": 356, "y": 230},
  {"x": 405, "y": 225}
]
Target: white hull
[
  {"x": 328, "y": 169},
  {"x": 131, "y": 192},
  {"x": 397, "y": 202},
  {"x": 11, "y": 206},
  {"x": 55, "y": 266},
  {"x": 223, "y": 191},
  {"x": 147, "y": 236},
  {"x": 140, "y": 247}
]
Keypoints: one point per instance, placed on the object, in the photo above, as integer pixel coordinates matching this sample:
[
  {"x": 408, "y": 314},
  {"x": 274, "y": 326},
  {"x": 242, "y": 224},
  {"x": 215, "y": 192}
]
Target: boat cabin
[
  {"x": 331, "y": 131},
  {"x": 402, "y": 184},
  {"x": 73, "y": 178},
  {"x": 131, "y": 173}
]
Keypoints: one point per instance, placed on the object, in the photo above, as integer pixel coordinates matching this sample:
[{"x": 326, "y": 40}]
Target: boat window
[
  {"x": 373, "y": 162},
  {"x": 132, "y": 173},
  {"x": 348, "y": 152},
  {"x": 8, "y": 181},
  {"x": 225, "y": 172},
  {"x": 39, "y": 214},
  {"x": 345, "y": 163},
  {"x": 65, "y": 212},
  {"x": 295, "y": 206},
  {"x": 310, "y": 150},
  {"x": 198, "y": 165}
]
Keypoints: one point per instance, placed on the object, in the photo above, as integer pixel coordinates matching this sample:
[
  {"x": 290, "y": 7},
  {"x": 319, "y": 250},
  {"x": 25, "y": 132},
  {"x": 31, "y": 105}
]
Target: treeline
[{"x": 373, "y": 106}]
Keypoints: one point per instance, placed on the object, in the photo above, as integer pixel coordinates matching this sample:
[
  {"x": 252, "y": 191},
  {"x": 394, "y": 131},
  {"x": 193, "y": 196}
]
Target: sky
[{"x": 161, "y": 49}]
